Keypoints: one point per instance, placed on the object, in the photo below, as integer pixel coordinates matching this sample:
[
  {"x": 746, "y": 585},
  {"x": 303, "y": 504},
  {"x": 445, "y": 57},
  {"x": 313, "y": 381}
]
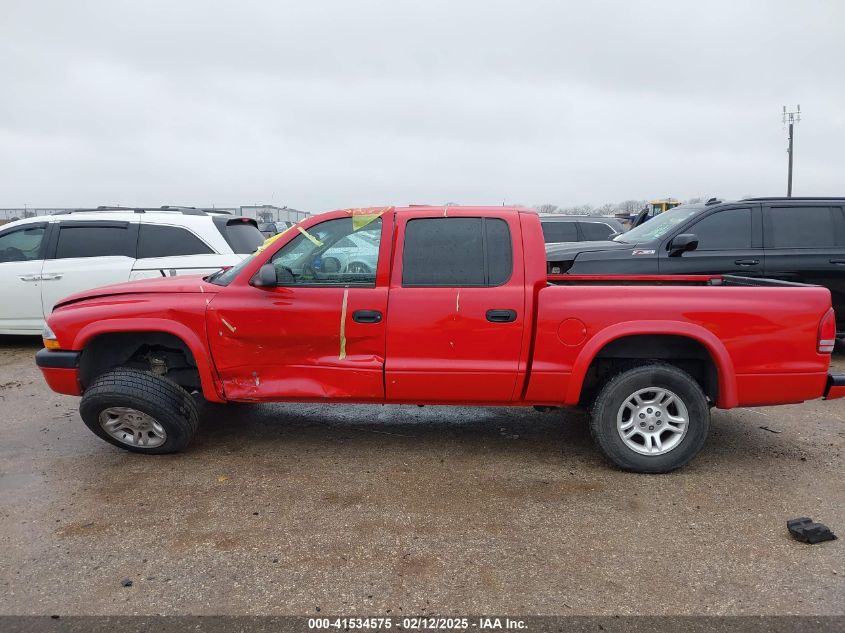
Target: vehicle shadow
[
  {"x": 263, "y": 428},
  {"x": 559, "y": 437}
]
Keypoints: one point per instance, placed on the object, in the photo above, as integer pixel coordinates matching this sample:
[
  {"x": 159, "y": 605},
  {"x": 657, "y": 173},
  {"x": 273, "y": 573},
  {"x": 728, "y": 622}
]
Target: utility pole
[{"x": 790, "y": 118}]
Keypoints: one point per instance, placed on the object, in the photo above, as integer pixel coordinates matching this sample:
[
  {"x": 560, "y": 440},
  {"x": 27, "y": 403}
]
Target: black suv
[{"x": 793, "y": 239}]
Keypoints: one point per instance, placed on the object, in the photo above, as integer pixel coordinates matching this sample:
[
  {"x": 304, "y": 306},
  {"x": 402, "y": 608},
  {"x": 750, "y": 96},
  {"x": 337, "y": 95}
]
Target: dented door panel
[
  {"x": 306, "y": 342},
  {"x": 291, "y": 343}
]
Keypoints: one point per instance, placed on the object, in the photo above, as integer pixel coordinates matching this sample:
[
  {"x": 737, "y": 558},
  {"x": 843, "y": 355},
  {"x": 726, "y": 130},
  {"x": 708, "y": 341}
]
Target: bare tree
[
  {"x": 631, "y": 206},
  {"x": 582, "y": 209},
  {"x": 695, "y": 200},
  {"x": 607, "y": 208},
  {"x": 547, "y": 208}
]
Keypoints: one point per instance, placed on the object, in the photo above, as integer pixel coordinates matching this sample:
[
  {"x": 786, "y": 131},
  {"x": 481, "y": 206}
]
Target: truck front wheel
[
  {"x": 139, "y": 412},
  {"x": 651, "y": 419}
]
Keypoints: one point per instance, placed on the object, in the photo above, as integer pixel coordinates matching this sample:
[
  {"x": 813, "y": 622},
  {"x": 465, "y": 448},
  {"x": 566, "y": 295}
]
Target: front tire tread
[{"x": 159, "y": 397}]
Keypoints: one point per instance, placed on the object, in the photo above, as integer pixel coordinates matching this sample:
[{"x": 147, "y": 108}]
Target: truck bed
[{"x": 761, "y": 333}]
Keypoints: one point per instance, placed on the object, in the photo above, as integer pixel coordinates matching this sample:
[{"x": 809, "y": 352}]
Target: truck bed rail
[{"x": 668, "y": 280}]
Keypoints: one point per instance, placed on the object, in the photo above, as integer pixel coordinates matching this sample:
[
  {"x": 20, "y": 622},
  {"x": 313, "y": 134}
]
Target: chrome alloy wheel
[
  {"x": 652, "y": 421},
  {"x": 132, "y": 427}
]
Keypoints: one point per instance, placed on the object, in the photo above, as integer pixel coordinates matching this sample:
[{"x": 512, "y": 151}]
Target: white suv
[{"x": 44, "y": 259}]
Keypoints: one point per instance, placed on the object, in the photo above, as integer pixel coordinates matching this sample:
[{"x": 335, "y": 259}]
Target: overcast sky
[{"x": 320, "y": 105}]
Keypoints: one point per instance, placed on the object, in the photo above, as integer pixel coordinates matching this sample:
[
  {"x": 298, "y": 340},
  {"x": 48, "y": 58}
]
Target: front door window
[
  {"x": 331, "y": 253},
  {"x": 22, "y": 245}
]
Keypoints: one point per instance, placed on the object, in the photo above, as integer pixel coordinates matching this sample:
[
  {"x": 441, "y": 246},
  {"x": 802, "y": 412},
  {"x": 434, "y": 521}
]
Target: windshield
[
  {"x": 225, "y": 277},
  {"x": 657, "y": 227}
]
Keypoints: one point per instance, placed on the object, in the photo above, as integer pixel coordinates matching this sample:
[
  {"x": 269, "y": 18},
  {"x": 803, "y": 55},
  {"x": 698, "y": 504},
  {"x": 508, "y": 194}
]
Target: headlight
[{"x": 49, "y": 338}]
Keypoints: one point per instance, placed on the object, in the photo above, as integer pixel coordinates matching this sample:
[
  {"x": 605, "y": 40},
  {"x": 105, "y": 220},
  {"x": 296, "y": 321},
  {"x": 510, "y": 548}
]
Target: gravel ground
[{"x": 300, "y": 509}]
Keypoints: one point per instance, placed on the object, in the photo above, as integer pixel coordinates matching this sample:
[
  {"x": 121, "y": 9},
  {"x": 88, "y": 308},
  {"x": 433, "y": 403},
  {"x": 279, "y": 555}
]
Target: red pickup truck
[{"x": 439, "y": 305}]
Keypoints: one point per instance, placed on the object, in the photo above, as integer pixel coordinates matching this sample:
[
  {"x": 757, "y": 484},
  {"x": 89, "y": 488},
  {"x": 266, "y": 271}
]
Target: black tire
[
  {"x": 161, "y": 399},
  {"x": 603, "y": 423},
  {"x": 363, "y": 268}
]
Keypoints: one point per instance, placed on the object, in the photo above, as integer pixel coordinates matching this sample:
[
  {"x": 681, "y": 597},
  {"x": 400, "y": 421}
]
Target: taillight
[{"x": 827, "y": 333}]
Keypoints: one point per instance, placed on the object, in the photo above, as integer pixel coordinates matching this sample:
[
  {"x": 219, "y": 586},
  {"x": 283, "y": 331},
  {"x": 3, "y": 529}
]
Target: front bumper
[
  {"x": 835, "y": 387},
  {"x": 60, "y": 369}
]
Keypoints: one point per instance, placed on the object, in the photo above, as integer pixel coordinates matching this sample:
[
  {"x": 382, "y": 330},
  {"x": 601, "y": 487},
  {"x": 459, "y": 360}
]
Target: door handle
[
  {"x": 501, "y": 316},
  {"x": 746, "y": 262},
  {"x": 52, "y": 276},
  {"x": 839, "y": 262},
  {"x": 366, "y": 316},
  {"x": 29, "y": 277}
]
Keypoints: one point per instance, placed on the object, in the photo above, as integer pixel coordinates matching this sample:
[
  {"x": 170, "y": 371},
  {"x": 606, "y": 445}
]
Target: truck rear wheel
[
  {"x": 651, "y": 419},
  {"x": 140, "y": 412}
]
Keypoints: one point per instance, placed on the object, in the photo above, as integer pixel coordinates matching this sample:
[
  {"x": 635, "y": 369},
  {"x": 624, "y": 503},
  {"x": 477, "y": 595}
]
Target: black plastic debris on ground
[{"x": 807, "y": 531}]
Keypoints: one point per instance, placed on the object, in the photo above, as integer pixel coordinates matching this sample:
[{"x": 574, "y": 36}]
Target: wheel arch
[
  {"x": 643, "y": 332},
  {"x": 180, "y": 334}
]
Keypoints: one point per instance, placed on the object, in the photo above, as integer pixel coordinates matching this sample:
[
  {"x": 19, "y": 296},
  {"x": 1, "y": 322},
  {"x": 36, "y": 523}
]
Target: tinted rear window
[
  {"x": 169, "y": 241},
  {"x": 91, "y": 241},
  {"x": 802, "y": 227},
  {"x": 242, "y": 235},
  {"x": 559, "y": 232},
  {"x": 456, "y": 252}
]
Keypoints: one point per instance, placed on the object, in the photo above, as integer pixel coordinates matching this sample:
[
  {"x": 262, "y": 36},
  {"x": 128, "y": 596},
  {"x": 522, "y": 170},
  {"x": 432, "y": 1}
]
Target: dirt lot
[{"x": 364, "y": 510}]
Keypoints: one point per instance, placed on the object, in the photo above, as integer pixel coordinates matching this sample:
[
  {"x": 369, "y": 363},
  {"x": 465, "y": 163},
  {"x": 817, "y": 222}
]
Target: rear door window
[
  {"x": 559, "y": 232},
  {"x": 499, "y": 254},
  {"x": 455, "y": 252},
  {"x": 839, "y": 221},
  {"x": 802, "y": 227},
  {"x": 93, "y": 240},
  {"x": 725, "y": 230},
  {"x": 169, "y": 241}
]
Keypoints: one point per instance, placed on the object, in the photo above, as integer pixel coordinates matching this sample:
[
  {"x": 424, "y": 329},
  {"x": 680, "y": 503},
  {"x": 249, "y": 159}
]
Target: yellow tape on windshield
[
  {"x": 271, "y": 239},
  {"x": 313, "y": 239},
  {"x": 363, "y": 216}
]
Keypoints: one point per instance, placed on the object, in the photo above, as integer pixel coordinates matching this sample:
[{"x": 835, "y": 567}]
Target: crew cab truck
[{"x": 457, "y": 309}]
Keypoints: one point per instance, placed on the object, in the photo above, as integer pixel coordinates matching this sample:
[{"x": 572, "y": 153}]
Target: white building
[{"x": 270, "y": 213}]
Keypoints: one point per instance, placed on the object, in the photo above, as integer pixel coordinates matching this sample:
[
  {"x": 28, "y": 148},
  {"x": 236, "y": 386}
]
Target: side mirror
[
  {"x": 682, "y": 243},
  {"x": 265, "y": 277}
]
